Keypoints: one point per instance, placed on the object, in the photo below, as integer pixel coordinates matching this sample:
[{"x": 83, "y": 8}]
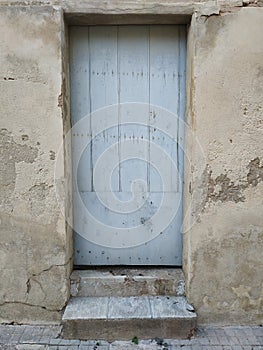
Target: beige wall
[
  {"x": 34, "y": 261},
  {"x": 223, "y": 250},
  {"x": 223, "y": 238}
]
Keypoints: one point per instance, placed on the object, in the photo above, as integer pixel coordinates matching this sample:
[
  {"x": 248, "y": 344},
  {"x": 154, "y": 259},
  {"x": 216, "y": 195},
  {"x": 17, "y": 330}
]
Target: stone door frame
[{"x": 86, "y": 14}]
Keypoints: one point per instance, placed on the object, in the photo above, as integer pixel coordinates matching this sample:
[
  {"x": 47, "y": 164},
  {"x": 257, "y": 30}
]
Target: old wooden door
[{"x": 127, "y": 173}]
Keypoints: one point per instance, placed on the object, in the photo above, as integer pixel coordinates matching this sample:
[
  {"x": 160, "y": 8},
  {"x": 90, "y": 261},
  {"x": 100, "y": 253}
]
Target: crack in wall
[
  {"x": 29, "y": 304},
  {"x": 34, "y": 278},
  {"x": 50, "y": 268}
]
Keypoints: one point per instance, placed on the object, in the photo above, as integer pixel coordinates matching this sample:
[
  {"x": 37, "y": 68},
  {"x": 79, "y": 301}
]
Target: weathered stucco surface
[
  {"x": 223, "y": 184},
  {"x": 34, "y": 260},
  {"x": 223, "y": 249}
]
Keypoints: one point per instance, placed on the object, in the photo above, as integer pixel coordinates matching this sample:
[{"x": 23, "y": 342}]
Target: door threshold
[
  {"x": 123, "y": 281},
  {"x": 107, "y": 267}
]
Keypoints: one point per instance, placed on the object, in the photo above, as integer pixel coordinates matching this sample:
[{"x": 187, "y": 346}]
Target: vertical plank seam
[
  {"x": 149, "y": 111},
  {"x": 90, "y": 116},
  {"x": 178, "y": 106},
  {"x": 118, "y": 101}
]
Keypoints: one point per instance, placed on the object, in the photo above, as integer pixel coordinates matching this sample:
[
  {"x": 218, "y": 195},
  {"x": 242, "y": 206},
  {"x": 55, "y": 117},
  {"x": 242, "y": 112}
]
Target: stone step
[
  {"x": 123, "y": 318},
  {"x": 123, "y": 282}
]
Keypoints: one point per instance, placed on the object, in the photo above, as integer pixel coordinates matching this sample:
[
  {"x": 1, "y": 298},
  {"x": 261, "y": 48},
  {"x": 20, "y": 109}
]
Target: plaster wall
[
  {"x": 34, "y": 253},
  {"x": 223, "y": 255},
  {"x": 223, "y": 182}
]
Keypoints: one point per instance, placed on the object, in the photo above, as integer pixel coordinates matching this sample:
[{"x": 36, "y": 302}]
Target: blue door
[{"x": 127, "y": 113}]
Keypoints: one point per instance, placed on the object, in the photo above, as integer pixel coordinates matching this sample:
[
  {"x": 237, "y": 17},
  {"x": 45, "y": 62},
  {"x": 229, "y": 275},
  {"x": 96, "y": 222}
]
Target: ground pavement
[{"x": 207, "y": 338}]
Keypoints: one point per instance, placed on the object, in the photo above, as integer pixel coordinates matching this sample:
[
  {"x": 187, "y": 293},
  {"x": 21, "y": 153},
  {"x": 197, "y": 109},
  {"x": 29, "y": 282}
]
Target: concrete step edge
[
  {"x": 125, "y": 282},
  {"x": 111, "y": 318}
]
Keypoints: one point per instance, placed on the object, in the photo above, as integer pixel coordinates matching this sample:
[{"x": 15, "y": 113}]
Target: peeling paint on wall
[
  {"x": 255, "y": 174},
  {"x": 222, "y": 188},
  {"x": 11, "y": 153}
]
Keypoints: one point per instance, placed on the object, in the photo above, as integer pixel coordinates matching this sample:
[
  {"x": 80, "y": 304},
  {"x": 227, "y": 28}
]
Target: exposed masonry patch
[
  {"x": 17, "y": 152},
  {"x": 222, "y": 188},
  {"x": 39, "y": 191},
  {"x": 37, "y": 197},
  {"x": 255, "y": 174},
  {"x": 11, "y": 153}
]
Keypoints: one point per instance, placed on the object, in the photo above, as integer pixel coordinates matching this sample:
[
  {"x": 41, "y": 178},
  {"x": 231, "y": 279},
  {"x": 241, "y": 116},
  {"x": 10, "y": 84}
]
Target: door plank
[
  {"x": 103, "y": 93},
  {"x": 133, "y": 70},
  {"x": 80, "y": 104},
  {"x": 164, "y": 90}
]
